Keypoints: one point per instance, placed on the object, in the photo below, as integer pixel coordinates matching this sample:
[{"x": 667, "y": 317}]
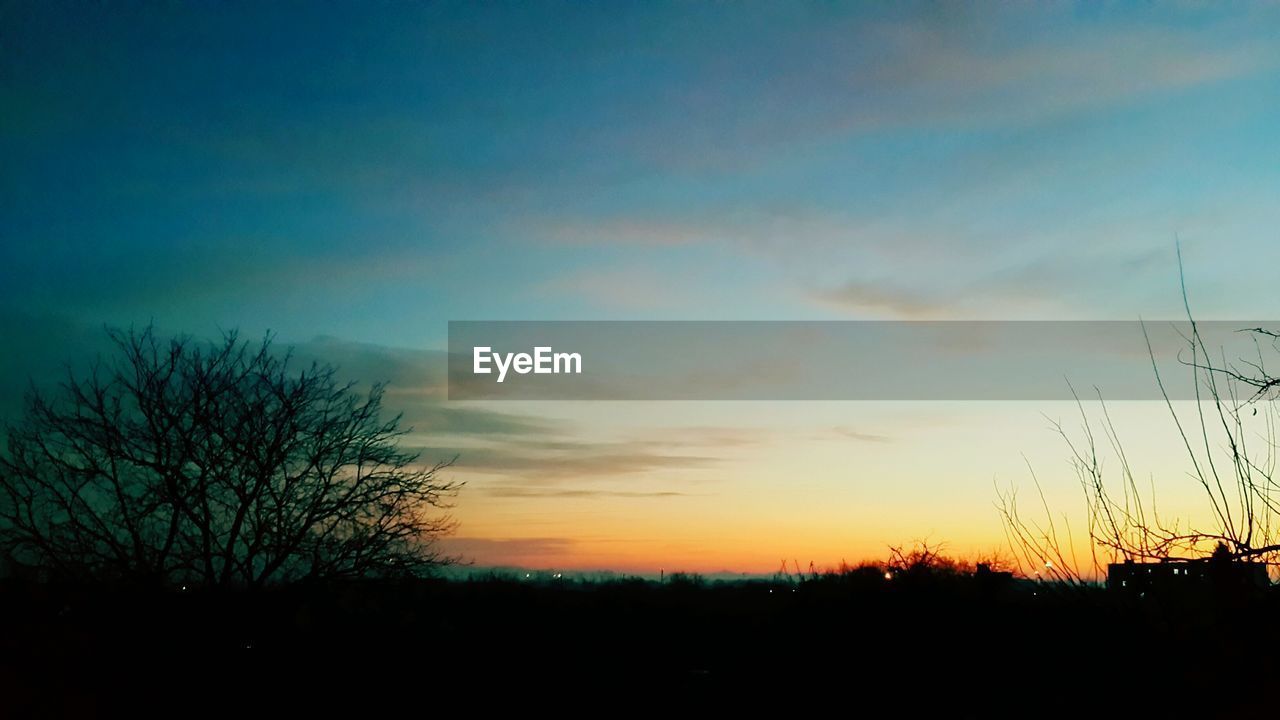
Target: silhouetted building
[
  {"x": 1180, "y": 575},
  {"x": 984, "y": 573}
]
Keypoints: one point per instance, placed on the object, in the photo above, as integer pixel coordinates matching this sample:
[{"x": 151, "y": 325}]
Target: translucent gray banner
[{"x": 856, "y": 360}]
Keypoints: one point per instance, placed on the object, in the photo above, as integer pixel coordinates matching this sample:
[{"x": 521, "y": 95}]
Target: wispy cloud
[
  {"x": 516, "y": 491},
  {"x": 568, "y": 461},
  {"x": 633, "y": 289},
  {"x": 964, "y": 69},
  {"x": 949, "y": 73},
  {"x": 880, "y": 299},
  {"x": 1089, "y": 279},
  {"x": 508, "y": 550},
  {"x": 846, "y": 433}
]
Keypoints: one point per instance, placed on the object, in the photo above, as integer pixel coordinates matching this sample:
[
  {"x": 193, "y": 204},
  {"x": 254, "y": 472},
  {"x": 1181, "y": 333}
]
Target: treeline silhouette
[{"x": 928, "y": 637}]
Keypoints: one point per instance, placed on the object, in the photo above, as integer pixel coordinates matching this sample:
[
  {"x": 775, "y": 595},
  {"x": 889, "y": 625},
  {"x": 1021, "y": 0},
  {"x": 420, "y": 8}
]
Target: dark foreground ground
[{"x": 946, "y": 647}]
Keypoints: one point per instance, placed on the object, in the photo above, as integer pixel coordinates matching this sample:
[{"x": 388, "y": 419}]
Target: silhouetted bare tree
[
  {"x": 217, "y": 465},
  {"x": 1231, "y": 449}
]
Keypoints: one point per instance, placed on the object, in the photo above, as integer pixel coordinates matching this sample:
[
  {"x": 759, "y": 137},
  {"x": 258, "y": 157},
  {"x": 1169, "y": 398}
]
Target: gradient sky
[{"x": 354, "y": 176}]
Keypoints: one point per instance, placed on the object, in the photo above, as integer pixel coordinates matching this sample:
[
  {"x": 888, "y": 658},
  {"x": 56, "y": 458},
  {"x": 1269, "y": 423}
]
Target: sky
[{"x": 353, "y": 176}]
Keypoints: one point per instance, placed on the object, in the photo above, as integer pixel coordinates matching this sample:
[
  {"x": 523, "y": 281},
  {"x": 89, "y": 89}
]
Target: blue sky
[{"x": 363, "y": 173}]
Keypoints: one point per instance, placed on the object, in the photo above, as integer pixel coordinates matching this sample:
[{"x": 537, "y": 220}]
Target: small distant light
[
  {"x": 770, "y": 591},
  {"x": 184, "y": 588},
  {"x": 888, "y": 576}
]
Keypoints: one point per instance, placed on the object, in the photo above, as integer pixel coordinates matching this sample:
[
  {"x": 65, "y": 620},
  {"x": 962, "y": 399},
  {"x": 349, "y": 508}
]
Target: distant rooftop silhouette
[{"x": 1179, "y": 575}]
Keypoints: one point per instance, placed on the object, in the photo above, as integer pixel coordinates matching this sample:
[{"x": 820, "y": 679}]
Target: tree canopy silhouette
[{"x": 215, "y": 464}]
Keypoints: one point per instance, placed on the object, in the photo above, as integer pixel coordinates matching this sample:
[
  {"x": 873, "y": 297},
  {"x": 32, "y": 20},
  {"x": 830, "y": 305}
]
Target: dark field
[{"x": 956, "y": 645}]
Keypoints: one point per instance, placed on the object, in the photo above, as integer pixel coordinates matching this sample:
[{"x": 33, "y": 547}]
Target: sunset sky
[{"x": 352, "y": 177}]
